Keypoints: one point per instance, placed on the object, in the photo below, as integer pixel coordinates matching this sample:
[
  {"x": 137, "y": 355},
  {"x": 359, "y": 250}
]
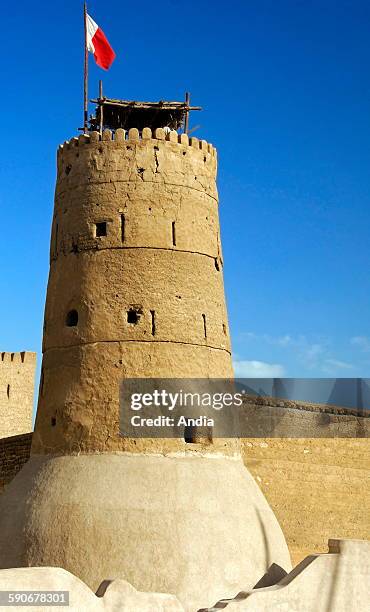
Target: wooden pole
[
  {"x": 101, "y": 107},
  {"x": 187, "y": 102},
  {"x": 86, "y": 75}
]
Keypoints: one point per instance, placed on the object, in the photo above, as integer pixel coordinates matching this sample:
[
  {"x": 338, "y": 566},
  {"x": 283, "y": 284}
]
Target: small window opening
[
  {"x": 190, "y": 434},
  {"x": 72, "y": 318},
  {"x": 224, "y": 328},
  {"x": 53, "y": 421},
  {"x": 8, "y": 391},
  {"x": 173, "y": 233},
  {"x": 133, "y": 316},
  {"x": 217, "y": 265},
  {"x": 152, "y": 313},
  {"x": 68, "y": 169},
  {"x": 100, "y": 229},
  {"x": 123, "y": 228},
  {"x": 198, "y": 435},
  {"x": 204, "y": 325}
]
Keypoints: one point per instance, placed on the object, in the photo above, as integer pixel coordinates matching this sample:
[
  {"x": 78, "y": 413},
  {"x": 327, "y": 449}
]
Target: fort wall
[
  {"x": 14, "y": 453},
  {"x": 17, "y": 380},
  {"x": 318, "y": 487}
]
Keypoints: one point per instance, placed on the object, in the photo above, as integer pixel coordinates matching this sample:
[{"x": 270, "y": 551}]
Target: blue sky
[{"x": 286, "y": 92}]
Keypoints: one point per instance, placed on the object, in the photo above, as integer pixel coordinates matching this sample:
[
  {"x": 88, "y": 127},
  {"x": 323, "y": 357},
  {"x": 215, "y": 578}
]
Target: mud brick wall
[
  {"x": 318, "y": 487},
  {"x": 14, "y": 452},
  {"x": 17, "y": 384}
]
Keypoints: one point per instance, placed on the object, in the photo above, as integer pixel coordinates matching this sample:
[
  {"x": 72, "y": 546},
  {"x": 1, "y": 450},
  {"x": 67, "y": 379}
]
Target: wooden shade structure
[{"x": 113, "y": 114}]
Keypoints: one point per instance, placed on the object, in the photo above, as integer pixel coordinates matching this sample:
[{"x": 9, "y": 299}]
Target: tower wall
[
  {"x": 17, "y": 377},
  {"x": 135, "y": 234}
]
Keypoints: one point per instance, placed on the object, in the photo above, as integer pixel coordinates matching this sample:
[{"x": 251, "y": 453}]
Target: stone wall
[
  {"x": 17, "y": 380},
  {"x": 319, "y": 488},
  {"x": 14, "y": 452}
]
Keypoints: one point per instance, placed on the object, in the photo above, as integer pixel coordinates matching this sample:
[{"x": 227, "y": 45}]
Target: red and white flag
[{"x": 98, "y": 44}]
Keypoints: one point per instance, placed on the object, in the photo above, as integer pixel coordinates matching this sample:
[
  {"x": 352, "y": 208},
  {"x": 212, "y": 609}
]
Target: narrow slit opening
[
  {"x": 173, "y": 233},
  {"x": 123, "y": 228},
  {"x": 204, "y": 325},
  {"x": 152, "y": 314},
  {"x": 8, "y": 391}
]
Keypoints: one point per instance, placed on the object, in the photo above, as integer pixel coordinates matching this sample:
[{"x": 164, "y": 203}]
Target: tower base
[{"x": 197, "y": 527}]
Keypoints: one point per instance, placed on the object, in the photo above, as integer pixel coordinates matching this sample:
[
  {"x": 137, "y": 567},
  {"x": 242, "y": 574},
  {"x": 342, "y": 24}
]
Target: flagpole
[{"x": 86, "y": 72}]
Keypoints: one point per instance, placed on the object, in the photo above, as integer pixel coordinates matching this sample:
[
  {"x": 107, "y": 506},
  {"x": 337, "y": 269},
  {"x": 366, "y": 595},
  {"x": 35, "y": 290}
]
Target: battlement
[
  {"x": 133, "y": 135},
  {"x": 17, "y": 381},
  {"x": 134, "y": 156},
  {"x": 17, "y": 358}
]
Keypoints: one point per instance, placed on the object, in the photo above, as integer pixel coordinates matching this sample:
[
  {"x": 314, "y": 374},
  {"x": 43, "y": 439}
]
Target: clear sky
[{"x": 285, "y": 88}]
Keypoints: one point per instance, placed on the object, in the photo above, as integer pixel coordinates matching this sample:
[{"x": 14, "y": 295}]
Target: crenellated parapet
[
  {"x": 17, "y": 378},
  {"x": 134, "y": 136},
  {"x": 133, "y": 157},
  {"x": 23, "y": 357}
]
